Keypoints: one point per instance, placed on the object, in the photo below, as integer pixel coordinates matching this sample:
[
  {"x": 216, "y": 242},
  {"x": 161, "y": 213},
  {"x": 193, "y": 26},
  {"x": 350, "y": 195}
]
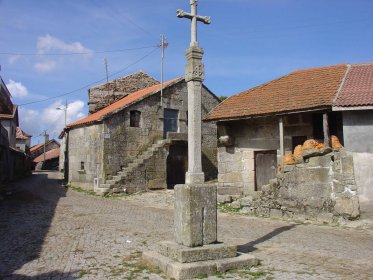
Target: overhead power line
[
  {"x": 76, "y": 53},
  {"x": 93, "y": 83}
]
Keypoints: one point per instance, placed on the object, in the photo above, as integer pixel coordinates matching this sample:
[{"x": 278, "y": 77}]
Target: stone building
[
  {"x": 14, "y": 162},
  {"x": 23, "y": 140},
  {"x": 259, "y": 126},
  {"x": 138, "y": 142},
  {"x": 39, "y": 149}
]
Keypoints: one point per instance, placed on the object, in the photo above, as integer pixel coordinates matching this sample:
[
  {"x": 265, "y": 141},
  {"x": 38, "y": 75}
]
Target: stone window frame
[
  {"x": 135, "y": 118},
  {"x": 82, "y": 167}
]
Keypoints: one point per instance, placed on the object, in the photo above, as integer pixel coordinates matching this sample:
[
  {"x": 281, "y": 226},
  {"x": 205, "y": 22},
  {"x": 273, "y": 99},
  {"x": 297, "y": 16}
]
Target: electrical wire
[
  {"x": 76, "y": 53},
  {"x": 92, "y": 83}
]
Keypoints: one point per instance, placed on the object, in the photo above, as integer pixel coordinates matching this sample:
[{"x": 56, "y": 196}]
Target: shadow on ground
[
  {"x": 250, "y": 246},
  {"x": 26, "y": 211}
]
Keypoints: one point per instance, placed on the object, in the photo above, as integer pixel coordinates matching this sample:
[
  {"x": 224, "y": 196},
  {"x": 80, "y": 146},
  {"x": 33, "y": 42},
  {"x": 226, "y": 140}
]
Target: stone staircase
[{"x": 115, "y": 185}]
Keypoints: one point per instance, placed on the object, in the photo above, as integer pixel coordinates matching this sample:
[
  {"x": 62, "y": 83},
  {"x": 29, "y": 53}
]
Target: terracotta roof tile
[
  {"x": 20, "y": 134},
  {"x": 54, "y": 153},
  {"x": 300, "y": 90},
  {"x": 357, "y": 89},
  {"x": 122, "y": 103},
  {"x": 34, "y": 148}
]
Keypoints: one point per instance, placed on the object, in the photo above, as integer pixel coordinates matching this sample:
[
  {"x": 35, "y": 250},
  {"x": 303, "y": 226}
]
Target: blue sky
[{"x": 248, "y": 43}]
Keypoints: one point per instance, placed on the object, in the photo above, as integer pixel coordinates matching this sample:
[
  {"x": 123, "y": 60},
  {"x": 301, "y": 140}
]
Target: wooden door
[{"x": 265, "y": 167}]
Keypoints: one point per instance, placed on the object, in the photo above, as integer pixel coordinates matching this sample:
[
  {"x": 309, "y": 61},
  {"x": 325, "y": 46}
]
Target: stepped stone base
[{"x": 182, "y": 262}]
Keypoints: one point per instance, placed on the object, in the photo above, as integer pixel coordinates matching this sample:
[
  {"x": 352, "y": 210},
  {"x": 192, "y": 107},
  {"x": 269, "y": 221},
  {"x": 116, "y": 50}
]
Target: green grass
[
  {"x": 82, "y": 273},
  {"x": 81, "y": 190},
  {"x": 226, "y": 208}
]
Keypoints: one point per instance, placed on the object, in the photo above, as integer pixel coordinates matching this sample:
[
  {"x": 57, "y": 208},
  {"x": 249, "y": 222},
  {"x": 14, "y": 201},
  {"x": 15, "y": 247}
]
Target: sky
[{"x": 54, "y": 50}]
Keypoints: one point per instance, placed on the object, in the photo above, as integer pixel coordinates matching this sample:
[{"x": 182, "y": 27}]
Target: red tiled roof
[
  {"x": 54, "y": 153},
  {"x": 37, "y": 146},
  {"x": 300, "y": 90},
  {"x": 357, "y": 88},
  {"x": 125, "y": 101},
  {"x": 21, "y": 135}
]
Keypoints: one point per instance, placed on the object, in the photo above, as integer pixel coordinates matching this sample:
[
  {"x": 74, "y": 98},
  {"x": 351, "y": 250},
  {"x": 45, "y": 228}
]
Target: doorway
[
  {"x": 177, "y": 164},
  {"x": 265, "y": 167}
]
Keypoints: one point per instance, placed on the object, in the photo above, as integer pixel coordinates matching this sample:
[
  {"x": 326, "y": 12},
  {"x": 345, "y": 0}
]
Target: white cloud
[
  {"x": 55, "y": 119},
  {"x": 45, "y": 66},
  {"x": 13, "y": 59},
  {"x": 29, "y": 121},
  {"x": 51, "y": 119},
  {"x": 49, "y": 43},
  {"x": 17, "y": 89}
]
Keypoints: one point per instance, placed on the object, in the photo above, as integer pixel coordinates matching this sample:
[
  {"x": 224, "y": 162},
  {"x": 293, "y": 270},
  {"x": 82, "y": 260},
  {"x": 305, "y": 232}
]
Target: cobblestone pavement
[{"x": 50, "y": 232}]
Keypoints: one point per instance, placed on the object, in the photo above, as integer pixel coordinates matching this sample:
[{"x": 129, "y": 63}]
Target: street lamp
[{"x": 64, "y": 109}]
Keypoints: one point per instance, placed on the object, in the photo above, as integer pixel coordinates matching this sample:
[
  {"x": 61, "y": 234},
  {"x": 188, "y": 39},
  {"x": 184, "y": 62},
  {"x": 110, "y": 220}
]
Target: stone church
[{"x": 135, "y": 137}]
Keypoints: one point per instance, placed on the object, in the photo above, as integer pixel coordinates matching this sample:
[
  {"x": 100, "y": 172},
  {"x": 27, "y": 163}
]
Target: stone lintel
[
  {"x": 195, "y": 214},
  {"x": 178, "y": 271},
  {"x": 185, "y": 254}
]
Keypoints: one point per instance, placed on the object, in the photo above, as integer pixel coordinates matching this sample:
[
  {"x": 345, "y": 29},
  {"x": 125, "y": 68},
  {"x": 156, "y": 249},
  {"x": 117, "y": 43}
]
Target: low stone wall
[{"x": 320, "y": 189}]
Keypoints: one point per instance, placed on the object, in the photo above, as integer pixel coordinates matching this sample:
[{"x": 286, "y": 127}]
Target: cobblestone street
[{"x": 50, "y": 232}]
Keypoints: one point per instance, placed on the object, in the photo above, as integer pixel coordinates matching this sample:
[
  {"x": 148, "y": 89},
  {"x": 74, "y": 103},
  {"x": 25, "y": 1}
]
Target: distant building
[
  {"x": 14, "y": 162},
  {"x": 49, "y": 161},
  {"x": 23, "y": 140},
  {"x": 38, "y": 151}
]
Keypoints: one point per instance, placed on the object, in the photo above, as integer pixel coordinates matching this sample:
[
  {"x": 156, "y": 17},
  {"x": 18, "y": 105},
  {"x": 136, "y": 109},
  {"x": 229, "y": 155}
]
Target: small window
[
  {"x": 82, "y": 165},
  {"x": 135, "y": 117}
]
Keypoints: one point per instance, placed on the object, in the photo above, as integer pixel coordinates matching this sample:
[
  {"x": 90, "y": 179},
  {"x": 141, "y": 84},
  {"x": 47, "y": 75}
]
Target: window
[
  {"x": 82, "y": 165},
  {"x": 135, "y": 117},
  {"x": 170, "y": 121}
]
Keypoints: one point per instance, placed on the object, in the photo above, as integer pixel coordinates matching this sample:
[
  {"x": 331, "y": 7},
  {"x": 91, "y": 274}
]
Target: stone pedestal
[
  {"x": 196, "y": 250},
  {"x": 195, "y": 215}
]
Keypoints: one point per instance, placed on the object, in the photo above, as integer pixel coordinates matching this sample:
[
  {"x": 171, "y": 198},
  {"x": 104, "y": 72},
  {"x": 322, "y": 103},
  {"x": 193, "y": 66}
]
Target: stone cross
[
  {"x": 195, "y": 202},
  {"x": 194, "y": 76},
  {"x": 194, "y": 17}
]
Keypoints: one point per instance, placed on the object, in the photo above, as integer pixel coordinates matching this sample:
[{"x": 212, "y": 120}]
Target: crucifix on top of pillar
[
  {"x": 194, "y": 76},
  {"x": 194, "y": 18}
]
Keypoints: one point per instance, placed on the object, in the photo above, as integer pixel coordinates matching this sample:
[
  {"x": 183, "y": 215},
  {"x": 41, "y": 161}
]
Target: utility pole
[
  {"x": 164, "y": 45},
  {"x": 45, "y": 143}
]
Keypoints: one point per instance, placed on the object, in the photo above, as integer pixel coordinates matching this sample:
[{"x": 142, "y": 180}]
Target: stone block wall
[
  {"x": 321, "y": 189},
  {"x": 236, "y": 162},
  {"x": 125, "y": 143},
  {"x": 106, "y": 94},
  {"x": 85, "y": 145},
  {"x": 150, "y": 175}
]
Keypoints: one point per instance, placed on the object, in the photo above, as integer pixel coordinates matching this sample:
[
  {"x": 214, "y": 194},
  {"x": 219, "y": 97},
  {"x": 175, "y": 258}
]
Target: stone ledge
[
  {"x": 186, "y": 254},
  {"x": 180, "y": 271}
]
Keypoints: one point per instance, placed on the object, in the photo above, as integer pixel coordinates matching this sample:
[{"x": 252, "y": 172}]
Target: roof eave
[{"x": 322, "y": 108}]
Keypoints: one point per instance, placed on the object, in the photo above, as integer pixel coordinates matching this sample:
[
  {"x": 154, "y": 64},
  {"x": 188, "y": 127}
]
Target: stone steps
[{"x": 112, "y": 184}]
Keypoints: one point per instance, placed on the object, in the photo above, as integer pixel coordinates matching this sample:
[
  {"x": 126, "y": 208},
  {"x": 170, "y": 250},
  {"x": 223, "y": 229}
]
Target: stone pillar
[
  {"x": 281, "y": 129},
  {"x": 194, "y": 76}
]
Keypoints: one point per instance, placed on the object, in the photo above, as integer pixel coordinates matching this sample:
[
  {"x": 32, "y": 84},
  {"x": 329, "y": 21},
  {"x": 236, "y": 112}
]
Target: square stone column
[
  {"x": 194, "y": 75},
  {"x": 195, "y": 215}
]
